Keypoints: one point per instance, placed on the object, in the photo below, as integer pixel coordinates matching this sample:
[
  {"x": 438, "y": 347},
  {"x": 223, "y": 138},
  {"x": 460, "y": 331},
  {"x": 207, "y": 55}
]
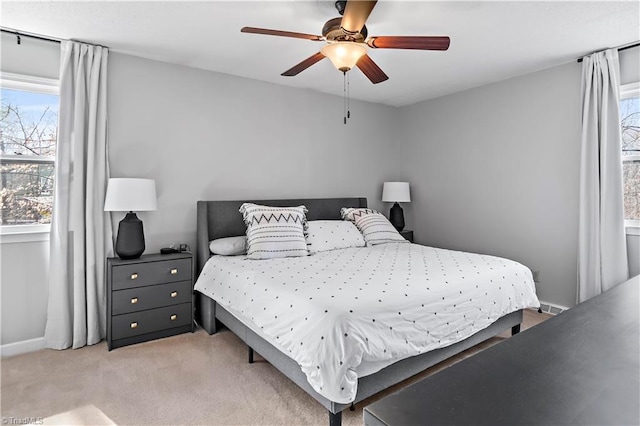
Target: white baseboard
[
  {"x": 17, "y": 348},
  {"x": 552, "y": 309}
]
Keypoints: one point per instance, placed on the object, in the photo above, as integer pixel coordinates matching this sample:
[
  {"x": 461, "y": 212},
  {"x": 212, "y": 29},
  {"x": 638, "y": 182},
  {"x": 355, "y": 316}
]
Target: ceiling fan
[{"x": 346, "y": 41}]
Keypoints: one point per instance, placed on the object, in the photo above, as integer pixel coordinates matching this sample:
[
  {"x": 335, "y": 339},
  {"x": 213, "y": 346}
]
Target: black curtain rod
[
  {"x": 19, "y": 34},
  {"x": 620, "y": 49}
]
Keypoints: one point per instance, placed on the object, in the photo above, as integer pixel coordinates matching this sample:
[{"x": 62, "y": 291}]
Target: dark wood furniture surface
[
  {"x": 580, "y": 367},
  {"x": 218, "y": 219},
  {"x": 408, "y": 235},
  {"x": 149, "y": 298}
]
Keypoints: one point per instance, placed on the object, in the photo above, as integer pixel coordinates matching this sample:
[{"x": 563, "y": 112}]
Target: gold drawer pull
[
  {"x": 174, "y": 271},
  {"x": 134, "y": 300},
  {"x": 174, "y": 317},
  {"x": 134, "y": 325},
  {"x": 134, "y": 276},
  {"x": 174, "y": 294}
]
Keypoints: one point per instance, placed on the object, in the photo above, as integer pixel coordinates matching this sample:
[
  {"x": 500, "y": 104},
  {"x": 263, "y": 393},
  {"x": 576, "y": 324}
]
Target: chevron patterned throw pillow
[
  {"x": 375, "y": 228},
  {"x": 274, "y": 232},
  {"x": 351, "y": 213}
]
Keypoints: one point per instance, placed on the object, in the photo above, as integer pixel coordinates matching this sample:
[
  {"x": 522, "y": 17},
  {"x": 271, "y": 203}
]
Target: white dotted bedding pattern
[{"x": 349, "y": 312}]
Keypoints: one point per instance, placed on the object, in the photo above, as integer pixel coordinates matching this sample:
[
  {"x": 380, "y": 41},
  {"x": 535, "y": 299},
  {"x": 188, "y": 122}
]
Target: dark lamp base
[
  {"x": 396, "y": 217},
  {"x": 130, "y": 240}
]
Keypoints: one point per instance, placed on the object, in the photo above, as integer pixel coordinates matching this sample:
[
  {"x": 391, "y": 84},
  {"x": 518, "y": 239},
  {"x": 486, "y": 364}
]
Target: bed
[{"x": 362, "y": 378}]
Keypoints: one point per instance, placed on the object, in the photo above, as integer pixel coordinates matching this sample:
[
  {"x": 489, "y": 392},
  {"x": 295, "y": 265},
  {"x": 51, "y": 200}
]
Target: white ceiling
[{"x": 490, "y": 40}]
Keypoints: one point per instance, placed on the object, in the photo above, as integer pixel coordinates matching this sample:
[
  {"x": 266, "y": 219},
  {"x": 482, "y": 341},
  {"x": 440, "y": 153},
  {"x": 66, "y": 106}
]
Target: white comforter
[{"x": 350, "y": 312}]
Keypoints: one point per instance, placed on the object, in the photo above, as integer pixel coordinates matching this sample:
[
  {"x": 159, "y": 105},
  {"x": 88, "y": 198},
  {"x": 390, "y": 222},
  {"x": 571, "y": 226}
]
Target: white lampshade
[
  {"x": 396, "y": 192},
  {"x": 344, "y": 54},
  {"x": 127, "y": 195}
]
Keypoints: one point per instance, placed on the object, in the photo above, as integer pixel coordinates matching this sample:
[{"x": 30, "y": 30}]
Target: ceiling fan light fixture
[{"x": 344, "y": 54}]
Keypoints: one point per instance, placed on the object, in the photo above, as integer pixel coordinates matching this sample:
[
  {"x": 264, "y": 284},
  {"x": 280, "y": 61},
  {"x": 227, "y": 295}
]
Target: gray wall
[
  {"x": 630, "y": 73},
  {"x": 204, "y": 135},
  {"x": 220, "y": 137},
  {"x": 31, "y": 57},
  {"x": 493, "y": 169},
  {"x": 24, "y": 265},
  {"x": 496, "y": 170},
  {"x": 25, "y": 289},
  {"x": 630, "y": 65},
  {"x": 633, "y": 253}
]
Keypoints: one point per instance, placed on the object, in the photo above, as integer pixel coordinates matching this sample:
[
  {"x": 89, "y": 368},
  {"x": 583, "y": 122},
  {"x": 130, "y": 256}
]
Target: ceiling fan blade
[
  {"x": 371, "y": 70},
  {"x": 265, "y": 31},
  {"x": 355, "y": 15},
  {"x": 297, "y": 69},
  {"x": 409, "y": 42}
]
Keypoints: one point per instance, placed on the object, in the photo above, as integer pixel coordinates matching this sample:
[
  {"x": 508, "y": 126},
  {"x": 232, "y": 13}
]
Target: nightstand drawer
[
  {"x": 150, "y": 297},
  {"x": 143, "y": 322},
  {"x": 143, "y": 274}
]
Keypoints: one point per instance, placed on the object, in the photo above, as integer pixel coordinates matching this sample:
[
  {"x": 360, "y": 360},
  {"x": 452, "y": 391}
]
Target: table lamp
[
  {"x": 396, "y": 192},
  {"x": 129, "y": 195}
]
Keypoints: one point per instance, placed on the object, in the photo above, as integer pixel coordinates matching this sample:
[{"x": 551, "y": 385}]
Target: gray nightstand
[
  {"x": 408, "y": 235},
  {"x": 149, "y": 298}
]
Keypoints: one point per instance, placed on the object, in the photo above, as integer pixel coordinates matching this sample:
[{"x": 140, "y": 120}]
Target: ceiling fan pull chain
[
  {"x": 348, "y": 97},
  {"x": 344, "y": 95}
]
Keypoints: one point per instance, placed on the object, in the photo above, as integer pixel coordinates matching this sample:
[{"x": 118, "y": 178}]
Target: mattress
[{"x": 347, "y": 313}]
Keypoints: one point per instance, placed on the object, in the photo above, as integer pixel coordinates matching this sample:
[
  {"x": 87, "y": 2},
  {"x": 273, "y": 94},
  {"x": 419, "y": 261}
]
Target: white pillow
[
  {"x": 230, "y": 246},
  {"x": 325, "y": 235},
  {"x": 274, "y": 232},
  {"x": 376, "y": 229},
  {"x": 351, "y": 213}
]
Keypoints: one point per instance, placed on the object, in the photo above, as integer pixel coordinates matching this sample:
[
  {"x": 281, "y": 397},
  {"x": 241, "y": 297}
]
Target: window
[
  {"x": 630, "y": 125},
  {"x": 28, "y": 134}
]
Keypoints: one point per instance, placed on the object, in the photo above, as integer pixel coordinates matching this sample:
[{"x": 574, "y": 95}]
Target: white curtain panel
[
  {"x": 81, "y": 234},
  {"x": 602, "y": 241}
]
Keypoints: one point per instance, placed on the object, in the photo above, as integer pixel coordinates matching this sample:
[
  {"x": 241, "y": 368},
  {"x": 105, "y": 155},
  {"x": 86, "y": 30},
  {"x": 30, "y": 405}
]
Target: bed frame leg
[
  {"x": 335, "y": 419},
  {"x": 250, "y": 355},
  {"x": 515, "y": 329},
  {"x": 206, "y": 313},
  {"x": 352, "y": 407}
]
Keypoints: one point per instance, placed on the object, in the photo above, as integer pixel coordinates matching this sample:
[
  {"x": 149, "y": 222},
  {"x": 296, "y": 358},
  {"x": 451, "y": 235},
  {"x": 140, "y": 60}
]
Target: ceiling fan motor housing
[{"x": 332, "y": 31}]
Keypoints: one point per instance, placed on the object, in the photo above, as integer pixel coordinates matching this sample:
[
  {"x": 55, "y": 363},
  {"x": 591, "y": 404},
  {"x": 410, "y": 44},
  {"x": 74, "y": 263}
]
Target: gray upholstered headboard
[{"x": 219, "y": 219}]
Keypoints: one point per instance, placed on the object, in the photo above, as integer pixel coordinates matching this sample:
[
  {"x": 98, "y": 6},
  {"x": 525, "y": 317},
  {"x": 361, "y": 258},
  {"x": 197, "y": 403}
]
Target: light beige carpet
[{"x": 186, "y": 379}]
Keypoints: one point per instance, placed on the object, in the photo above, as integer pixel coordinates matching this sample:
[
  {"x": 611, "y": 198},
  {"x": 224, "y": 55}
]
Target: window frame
[
  {"x": 631, "y": 90},
  {"x": 28, "y": 83}
]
